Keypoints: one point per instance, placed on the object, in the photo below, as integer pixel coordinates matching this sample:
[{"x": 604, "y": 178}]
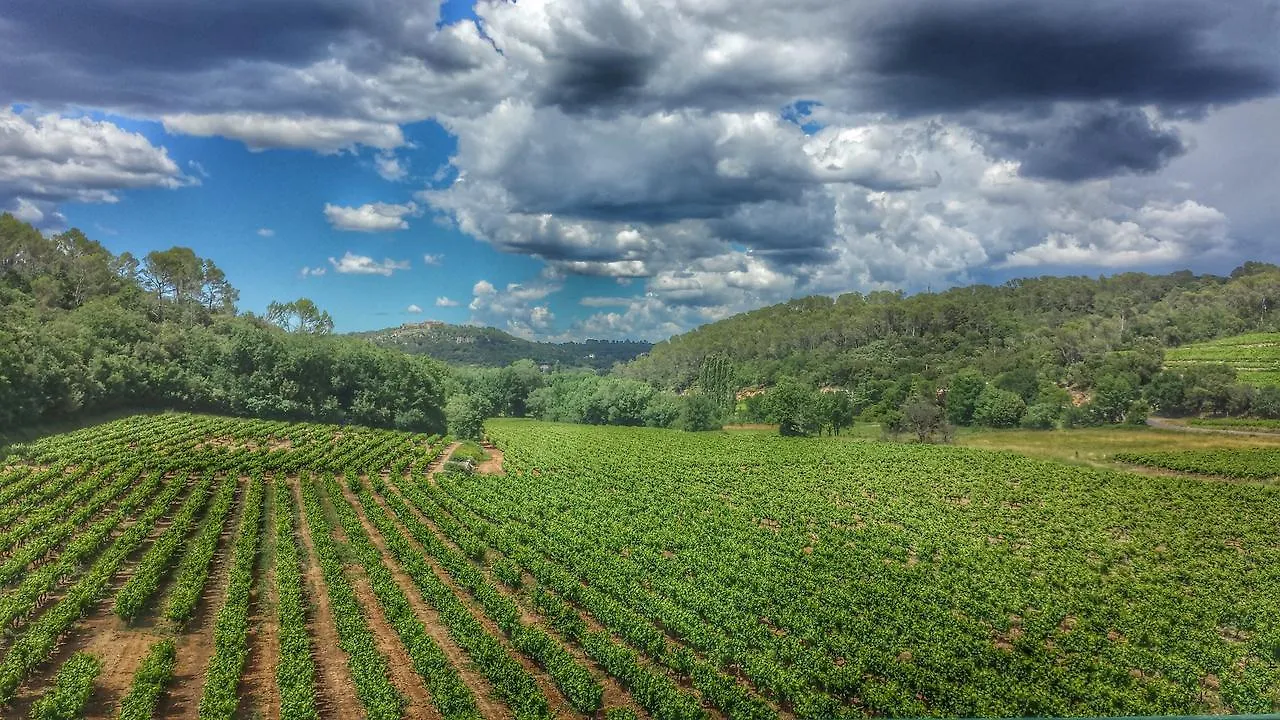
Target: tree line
[{"x": 83, "y": 330}]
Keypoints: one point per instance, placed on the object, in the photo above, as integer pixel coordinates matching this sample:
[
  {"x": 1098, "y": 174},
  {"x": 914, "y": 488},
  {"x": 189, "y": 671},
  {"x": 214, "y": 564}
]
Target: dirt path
[
  {"x": 335, "y": 691},
  {"x": 487, "y": 700},
  {"x": 259, "y": 696},
  {"x": 615, "y": 695},
  {"x": 434, "y": 466},
  {"x": 195, "y": 645},
  {"x": 491, "y": 465}
]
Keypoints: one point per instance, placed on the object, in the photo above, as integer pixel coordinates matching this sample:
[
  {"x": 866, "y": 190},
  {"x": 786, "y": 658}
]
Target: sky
[{"x": 564, "y": 169}]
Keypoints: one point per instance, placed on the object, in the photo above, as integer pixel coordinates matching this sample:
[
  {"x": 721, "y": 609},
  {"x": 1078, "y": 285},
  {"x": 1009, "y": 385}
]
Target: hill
[
  {"x": 1057, "y": 327},
  {"x": 1255, "y": 356},
  {"x": 490, "y": 347}
]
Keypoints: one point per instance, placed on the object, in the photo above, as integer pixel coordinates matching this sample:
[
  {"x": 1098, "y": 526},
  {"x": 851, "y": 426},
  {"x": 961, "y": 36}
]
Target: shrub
[{"x": 999, "y": 408}]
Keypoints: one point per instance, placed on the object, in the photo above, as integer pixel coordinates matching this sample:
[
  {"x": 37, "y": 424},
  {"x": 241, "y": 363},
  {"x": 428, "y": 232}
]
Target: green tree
[
  {"x": 173, "y": 274},
  {"x": 300, "y": 316},
  {"x": 923, "y": 418},
  {"x": 1111, "y": 398},
  {"x": 699, "y": 412},
  {"x": 836, "y": 410},
  {"x": 716, "y": 380},
  {"x": 794, "y": 406},
  {"x": 464, "y": 417},
  {"x": 999, "y": 408},
  {"x": 962, "y": 396}
]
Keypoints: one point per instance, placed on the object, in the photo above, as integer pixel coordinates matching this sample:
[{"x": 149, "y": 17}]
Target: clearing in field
[
  {"x": 193, "y": 566},
  {"x": 1256, "y": 356}
]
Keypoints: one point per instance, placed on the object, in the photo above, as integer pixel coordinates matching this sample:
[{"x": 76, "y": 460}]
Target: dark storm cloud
[
  {"x": 173, "y": 34},
  {"x": 961, "y": 56},
  {"x": 787, "y": 234},
  {"x": 1090, "y": 143},
  {"x": 164, "y": 56},
  {"x": 597, "y": 77}
]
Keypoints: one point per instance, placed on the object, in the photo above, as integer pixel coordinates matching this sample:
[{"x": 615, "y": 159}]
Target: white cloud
[
  {"x": 445, "y": 302},
  {"x": 371, "y": 217},
  {"x": 519, "y": 308},
  {"x": 413, "y": 310},
  {"x": 352, "y": 264},
  {"x": 605, "y": 301},
  {"x": 390, "y": 167},
  {"x": 433, "y": 259},
  {"x": 198, "y": 169},
  {"x": 46, "y": 160},
  {"x": 660, "y": 143},
  {"x": 260, "y": 131},
  {"x": 266, "y": 232},
  {"x": 313, "y": 271}
]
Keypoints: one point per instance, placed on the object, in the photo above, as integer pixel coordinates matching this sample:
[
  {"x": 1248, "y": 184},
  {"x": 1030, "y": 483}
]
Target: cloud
[
  {"x": 198, "y": 169},
  {"x": 445, "y": 302},
  {"x": 390, "y": 167},
  {"x": 413, "y": 310},
  {"x": 47, "y": 160},
  {"x": 314, "y": 271},
  {"x": 719, "y": 155},
  {"x": 371, "y": 217},
  {"x": 352, "y": 264},
  {"x": 604, "y": 301},
  {"x": 1088, "y": 142},
  {"x": 262, "y": 132},
  {"x": 255, "y": 70},
  {"x": 938, "y": 56},
  {"x": 266, "y": 232},
  {"x": 431, "y": 259},
  {"x": 519, "y": 308}
]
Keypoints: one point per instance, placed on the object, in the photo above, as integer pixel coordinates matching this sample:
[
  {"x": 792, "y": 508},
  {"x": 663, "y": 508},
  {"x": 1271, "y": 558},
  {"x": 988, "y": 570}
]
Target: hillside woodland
[
  {"x": 489, "y": 347},
  {"x": 85, "y": 331}
]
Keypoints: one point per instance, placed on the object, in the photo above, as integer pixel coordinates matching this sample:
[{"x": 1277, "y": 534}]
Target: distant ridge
[{"x": 490, "y": 347}]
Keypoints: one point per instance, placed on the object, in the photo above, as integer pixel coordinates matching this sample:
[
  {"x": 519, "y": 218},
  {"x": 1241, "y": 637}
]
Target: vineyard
[
  {"x": 1255, "y": 357},
  {"x": 193, "y": 566},
  {"x": 1241, "y": 463},
  {"x": 1236, "y": 423}
]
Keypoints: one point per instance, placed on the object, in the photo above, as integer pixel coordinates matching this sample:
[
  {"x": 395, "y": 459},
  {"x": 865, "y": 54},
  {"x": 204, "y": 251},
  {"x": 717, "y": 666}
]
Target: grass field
[
  {"x": 232, "y": 568},
  {"x": 1256, "y": 357},
  {"x": 1100, "y": 446}
]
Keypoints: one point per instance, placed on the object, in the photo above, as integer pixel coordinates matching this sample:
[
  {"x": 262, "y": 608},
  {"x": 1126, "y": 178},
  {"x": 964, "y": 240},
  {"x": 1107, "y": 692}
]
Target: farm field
[
  {"x": 1102, "y": 447},
  {"x": 1256, "y": 356},
  {"x": 196, "y": 566},
  {"x": 1245, "y": 464}
]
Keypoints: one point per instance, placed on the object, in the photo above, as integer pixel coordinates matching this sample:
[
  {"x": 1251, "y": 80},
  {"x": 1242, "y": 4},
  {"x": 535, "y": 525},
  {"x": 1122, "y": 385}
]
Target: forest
[{"x": 84, "y": 331}]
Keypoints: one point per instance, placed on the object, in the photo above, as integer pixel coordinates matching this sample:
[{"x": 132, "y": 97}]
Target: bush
[
  {"x": 1042, "y": 416},
  {"x": 469, "y": 451},
  {"x": 1137, "y": 413},
  {"x": 999, "y": 408},
  {"x": 464, "y": 417},
  {"x": 699, "y": 412}
]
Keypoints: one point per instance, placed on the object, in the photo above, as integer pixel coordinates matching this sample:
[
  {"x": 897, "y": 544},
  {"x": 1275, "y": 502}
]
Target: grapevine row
[
  {"x": 296, "y": 673},
  {"x": 368, "y": 667},
  {"x": 23, "y": 599},
  {"x": 448, "y": 693},
  {"x": 193, "y": 572},
  {"x": 34, "y": 645},
  {"x": 574, "y": 680},
  {"x": 152, "y": 568},
  {"x": 150, "y": 681},
  {"x": 231, "y": 627}
]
